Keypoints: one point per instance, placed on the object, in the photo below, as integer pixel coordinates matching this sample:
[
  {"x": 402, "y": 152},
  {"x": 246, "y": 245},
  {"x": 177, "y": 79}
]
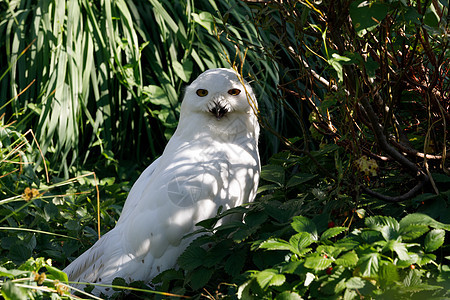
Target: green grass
[{"x": 106, "y": 79}]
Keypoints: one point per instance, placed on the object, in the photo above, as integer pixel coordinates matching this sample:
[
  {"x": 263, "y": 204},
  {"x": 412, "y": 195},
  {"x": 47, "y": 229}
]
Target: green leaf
[
  {"x": 288, "y": 295},
  {"x": 269, "y": 277},
  {"x": 422, "y": 219},
  {"x": 412, "y": 258},
  {"x": 51, "y": 211},
  {"x": 236, "y": 262},
  {"x": 412, "y": 15},
  {"x": 299, "y": 243},
  {"x": 56, "y": 273},
  {"x": 118, "y": 281},
  {"x": 412, "y": 278},
  {"x": 299, "y": 178},
  {"x": 200, "y": 277},
  {"x": 370, "y": 236},
  {"x": 273, "y": 173},
  {"x": 12, "y": 273},
  {"x": 397, "y": 247},
  {"x": 206, "y": 20},
  {"x": 12, "y": 292},
  {"x": 441, "y": 178},
  {"x": 369, "y": 264},
  {"x": 156, "y": 95},
  {"x": 388, "y": 274},
  {"x": 431, "y": 17},
  {"x": 317, "y": 262},
  {"x": 388, "y": 226},
  {"x": 294, "y": 267},
  {"x": 413, "y": 231},
  {"x": 216, "y": 254},
  {"x": 347, "y": 243},
  {"x": 72, "y": 225},
  {"x": 208, "y": 223},
  {"x": 267, "y": 187},
  {"x": 303, "y": 224},
  {"x": 255, "y": 218},
  {"x": 348, "y": 259},
  {"x": 425, "y": 258},
  {"x": 184, "y": 70},
  {"x": 244, "y": 290},
  {"x": 355, "y": 283},
  {"x": 434, "y": 240},
  {"x": 192, "y": 258},
  {"x": 332, "y": 232},
  {"x": 367, "y": 15},
  {"x": 337, "y": 61},
  {"x": 275, "y": 244},
  {"x": 350, "y": 294}
]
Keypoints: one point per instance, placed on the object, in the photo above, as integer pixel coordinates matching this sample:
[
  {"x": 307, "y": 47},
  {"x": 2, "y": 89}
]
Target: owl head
[{"x": 219, "y": 94}]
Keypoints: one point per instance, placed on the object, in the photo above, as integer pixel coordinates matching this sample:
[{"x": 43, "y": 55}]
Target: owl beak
[{"x": 218, "y": 110}]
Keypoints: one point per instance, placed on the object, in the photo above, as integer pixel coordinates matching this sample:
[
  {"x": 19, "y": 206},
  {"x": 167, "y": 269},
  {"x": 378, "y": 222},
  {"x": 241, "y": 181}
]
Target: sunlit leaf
[
  {"x": 368, "y": 264},
  {"x": 275, "y": 244},
  {"x": 388, "y": 226},
  {"x": 348, "y": 259},
  {"x": 317, "y": 262},
  {"x": 269, "y": 277},
  {"x": 422, "y": 219},
  {"x": 11, "y": 291},
  {"x": 332, "y": 232},
  {"x": 303, "y": 224},
  {"x": 388, "y": 273},
  {"x": 413, "y": 231},
  {"x": 355, "y": 283},
  {"x": 434, "y": 240},
  {"x": 288, "y": 295}
]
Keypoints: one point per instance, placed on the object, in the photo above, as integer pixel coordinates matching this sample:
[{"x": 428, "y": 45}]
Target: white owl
[{"x": 212, "y": 160}]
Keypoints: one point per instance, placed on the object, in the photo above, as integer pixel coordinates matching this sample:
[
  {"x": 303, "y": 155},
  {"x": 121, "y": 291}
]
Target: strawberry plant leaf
[
  {"x": 388, "y": 226},
  {"x": 236, "y": 262},
  {"x": 298, "y": 179},
  {"x": 398, "y": 247},
  {"x": 332, "y": 232},
  {"x": 192, "y": 258},
  {"x": 300, "y": 242},
  {"x": 369, "y": 264},
  {"x": 355, "y": 283},
  {"x": 269, "y": 277},
  {"x": 388, "y": 274},
  {"x": 274, "y": 174},
  {"x": 317, "y": 263},
  {"x": 422, "y": 219},
  {"x": 413, "y": 231},
  {"x": 303, "y": 224},
  {"x": 287, "y": 295},
  {"x": 275, "y": 244},
  {"x": 434, "y": 240},
  {"x": 348, "y": 259},
  {"x": 200, "y": 277}
]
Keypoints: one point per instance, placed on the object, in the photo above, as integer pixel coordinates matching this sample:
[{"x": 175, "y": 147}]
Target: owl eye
[
  {"x": 202, "y": 92},
  {"x": 234, "y": 92}
]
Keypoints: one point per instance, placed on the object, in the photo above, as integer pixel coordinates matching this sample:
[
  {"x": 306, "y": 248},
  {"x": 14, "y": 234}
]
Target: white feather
[{"x": 212, "y": 160}]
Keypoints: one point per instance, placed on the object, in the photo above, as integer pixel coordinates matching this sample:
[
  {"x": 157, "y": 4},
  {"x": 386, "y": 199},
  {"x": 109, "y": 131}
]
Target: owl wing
[
  {"x": 108, "y": 254},
  {"x": 135, "y": 193}
]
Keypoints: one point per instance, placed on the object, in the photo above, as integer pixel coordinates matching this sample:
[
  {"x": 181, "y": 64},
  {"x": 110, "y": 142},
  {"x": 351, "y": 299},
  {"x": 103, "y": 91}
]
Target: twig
[{"x": 391, "y": 151}]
